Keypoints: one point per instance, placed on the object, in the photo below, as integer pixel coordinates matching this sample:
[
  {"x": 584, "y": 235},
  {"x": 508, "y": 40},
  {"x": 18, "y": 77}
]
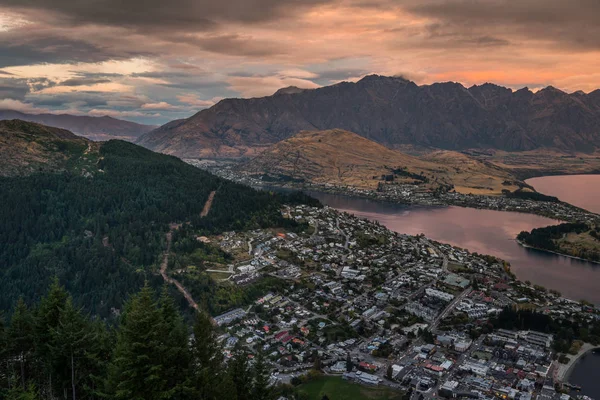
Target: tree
[
  {"x": 47, "y": 318},
  {"x": 137, "y": 371},
  {"x": 174, "y": 351},
  {"x": 240, "y": 375},
  {"x": 349, "y": 364},
  {"x": 390, "y": 372},
  {"x": 260, "y": 390},
  {"x": 20, "y": 336},
  {"x": 208, "y": 373},
  {"x": 70, "y": 342}
]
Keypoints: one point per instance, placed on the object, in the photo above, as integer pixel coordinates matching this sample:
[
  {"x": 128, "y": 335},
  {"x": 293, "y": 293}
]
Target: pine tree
[
  {"x": 47, "y": 317},
  {"x": 175, "y": 353},
  {"x": 4, "y": 360},
  {"x": 70, "y": 342},
  {"x": 207, "y": 354},
  {"x": 137, "y": 371},
  {"x": 240, "y": 375},
  {"x": 260, "y": 370},
  {"x": 20, "y": 336}
]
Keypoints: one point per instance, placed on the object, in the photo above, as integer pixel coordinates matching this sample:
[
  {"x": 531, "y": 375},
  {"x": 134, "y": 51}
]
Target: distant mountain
[
  {"x": 27, "y": 147},
  {"x": 344, "y": 158},
  {"x": 394, "y": 112},
  {"x": 95, "y": 128}
]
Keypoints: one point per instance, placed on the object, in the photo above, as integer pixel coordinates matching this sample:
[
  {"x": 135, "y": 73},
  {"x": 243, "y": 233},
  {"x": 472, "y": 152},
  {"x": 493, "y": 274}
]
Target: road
[
  {"x": 208, "y": 204},
  {"x": 449, "y": 308},
  {"x": 165, "y": 263}
]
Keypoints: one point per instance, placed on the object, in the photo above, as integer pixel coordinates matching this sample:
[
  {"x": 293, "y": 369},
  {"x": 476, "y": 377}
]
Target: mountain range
[
  {"x": 394, "y": 112},
  {"x": 95, "y": 128}
]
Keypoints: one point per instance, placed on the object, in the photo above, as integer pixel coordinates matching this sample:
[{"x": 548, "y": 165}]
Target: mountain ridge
[
  {"x": 95, "y": 128},
  {"x": 394, "y": 112}
]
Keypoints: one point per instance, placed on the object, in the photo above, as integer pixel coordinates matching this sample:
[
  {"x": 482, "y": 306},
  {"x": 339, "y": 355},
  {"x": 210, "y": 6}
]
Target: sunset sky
[{"x": 153, "y": 61}]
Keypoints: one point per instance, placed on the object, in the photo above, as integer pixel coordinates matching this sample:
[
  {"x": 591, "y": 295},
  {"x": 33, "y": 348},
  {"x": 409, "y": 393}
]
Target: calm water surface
[
  {"x": 580, "y": 190},
  {"x": 585, "y": 374},
  {"x": 486, "y": 232}
]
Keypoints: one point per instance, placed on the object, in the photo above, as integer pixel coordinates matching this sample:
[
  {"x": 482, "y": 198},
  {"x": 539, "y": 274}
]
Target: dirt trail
[
  {"x": 165, "y": 263},
  {"x": 208, "y": 204}
]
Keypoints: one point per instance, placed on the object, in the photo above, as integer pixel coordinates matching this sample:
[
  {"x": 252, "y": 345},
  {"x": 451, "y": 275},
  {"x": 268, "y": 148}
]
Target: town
[
  {"x": 385, "y": 309},
  {"x": 412, "y": 194}
]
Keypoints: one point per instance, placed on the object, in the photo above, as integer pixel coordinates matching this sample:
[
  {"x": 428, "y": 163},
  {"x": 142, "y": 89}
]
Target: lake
[
  {"x": 585, "y": 374},
  {"x": 485, "y": 232},
  {"x": 580, "y": 190}
]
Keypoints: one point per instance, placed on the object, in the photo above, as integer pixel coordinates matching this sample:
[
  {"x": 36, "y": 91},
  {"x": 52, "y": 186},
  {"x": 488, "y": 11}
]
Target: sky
[{"x": 152, "y": 61}]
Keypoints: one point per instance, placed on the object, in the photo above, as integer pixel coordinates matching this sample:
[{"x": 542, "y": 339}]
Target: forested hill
[{"x": 102, "y": 233}]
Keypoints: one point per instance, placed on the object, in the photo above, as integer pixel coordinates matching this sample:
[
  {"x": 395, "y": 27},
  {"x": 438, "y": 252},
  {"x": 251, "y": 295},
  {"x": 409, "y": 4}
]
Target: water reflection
[{"x": 486, "y": 232}]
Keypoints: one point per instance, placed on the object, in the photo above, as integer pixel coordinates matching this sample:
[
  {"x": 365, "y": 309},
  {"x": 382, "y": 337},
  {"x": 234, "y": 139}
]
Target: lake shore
[
  {"x": 555, "y": 252},
  {"x": 564, "y": 370}
]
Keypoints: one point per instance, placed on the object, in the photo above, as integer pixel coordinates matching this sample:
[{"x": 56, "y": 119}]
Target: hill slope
[
  {"x": 393, "y": 112},
  {"x": 102, "y": 233},
  {"x": 344, "y": 158},
  {"x": 26, "y": 148},
  {"x": 95, "y": 128}
]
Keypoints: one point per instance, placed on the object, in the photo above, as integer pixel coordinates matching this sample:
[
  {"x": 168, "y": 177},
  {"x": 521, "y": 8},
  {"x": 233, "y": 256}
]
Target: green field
[{"x": 337, "y": 388}]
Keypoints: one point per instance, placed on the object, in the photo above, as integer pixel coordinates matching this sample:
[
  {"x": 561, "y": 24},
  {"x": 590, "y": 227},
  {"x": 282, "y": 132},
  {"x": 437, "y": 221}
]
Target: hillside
[
  {"x": 345, "y": 158},
  {"x": 103, "y": 233},
  {"x": 95, "y": 128},
  {"x": 393, "y": 112},
  {"x": 26, "y": 148}
]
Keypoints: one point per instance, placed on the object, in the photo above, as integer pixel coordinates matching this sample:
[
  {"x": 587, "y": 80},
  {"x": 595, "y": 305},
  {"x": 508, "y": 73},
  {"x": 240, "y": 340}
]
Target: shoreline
[
  {"x": 555, "y": 252},
  {"x": 564, "y": 370}
]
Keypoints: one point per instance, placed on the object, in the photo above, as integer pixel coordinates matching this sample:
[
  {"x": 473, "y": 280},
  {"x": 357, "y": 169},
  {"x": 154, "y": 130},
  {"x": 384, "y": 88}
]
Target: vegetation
[
  {"x": 573, "y": 239},
  {"x": 336, "y": 388},
  {"x": 53, "y": 350},
  {"x": 565, "y": 332},
  {"x": 528, "y": 195},
  {"x": 102, "y": 234}
]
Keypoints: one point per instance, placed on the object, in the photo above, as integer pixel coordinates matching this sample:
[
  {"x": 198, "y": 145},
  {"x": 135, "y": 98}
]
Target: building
[
  {"x": 438, "y": 294},
  {"x": 538, "y": 338},
  {"x": 456, "y": 281}
]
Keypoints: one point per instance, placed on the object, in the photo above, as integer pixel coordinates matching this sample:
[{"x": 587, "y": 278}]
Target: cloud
[
  {"x": 83, "y": 82},
  {"x": 265, "y": 86},
  {"x": 156, "y": 14},
  {"x": 194, "y": 101},
  {"x": 158, "y": 106},
  {"x": 17, "y": 105}
]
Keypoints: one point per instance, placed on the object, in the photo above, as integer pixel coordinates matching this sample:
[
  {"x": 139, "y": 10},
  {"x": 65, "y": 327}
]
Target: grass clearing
[{"x": 337, "y": 388}]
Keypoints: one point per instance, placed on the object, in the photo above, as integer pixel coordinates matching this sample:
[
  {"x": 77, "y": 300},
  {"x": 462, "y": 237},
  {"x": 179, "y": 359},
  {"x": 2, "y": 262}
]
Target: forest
[
  {"x": 564, "y": 331},
  {"x": 546, "y": 239},
  {"x": 102, "y": 235},
  {"x": 54, "y": 350}
]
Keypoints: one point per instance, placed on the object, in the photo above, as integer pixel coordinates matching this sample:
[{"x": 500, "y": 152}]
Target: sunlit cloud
[{"x": 106, "y": 55}]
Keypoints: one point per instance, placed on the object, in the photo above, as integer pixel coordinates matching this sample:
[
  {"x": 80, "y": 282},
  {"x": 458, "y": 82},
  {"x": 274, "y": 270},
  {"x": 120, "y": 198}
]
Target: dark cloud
[
  {"x": 572, "y": 24},
  {"x": 236, "y": 45},
  {"x": 13, "y": 88},
  {"x": 157, "y": 14},
  {"x": 17, "y": 48},
  {"x": 83, "y": 82}
]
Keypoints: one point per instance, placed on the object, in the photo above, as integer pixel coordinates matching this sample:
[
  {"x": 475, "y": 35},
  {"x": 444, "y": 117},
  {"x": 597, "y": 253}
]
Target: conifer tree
[
  {"x": 260, "y": 372},
  {"x": 47, "y": 318},
  {"x": 240, "y": 375},
  {"x": 137, "y": 371},
  {"x": 175, "y": 351},
  {"x": 70, "y": 342},
  {"x": 20, "y": 336},
  {"x": 208, "y": 369}
]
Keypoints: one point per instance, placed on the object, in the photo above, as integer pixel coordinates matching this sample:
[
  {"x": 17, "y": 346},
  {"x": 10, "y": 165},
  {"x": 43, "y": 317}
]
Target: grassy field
[{"x": 337, "y": 388}]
